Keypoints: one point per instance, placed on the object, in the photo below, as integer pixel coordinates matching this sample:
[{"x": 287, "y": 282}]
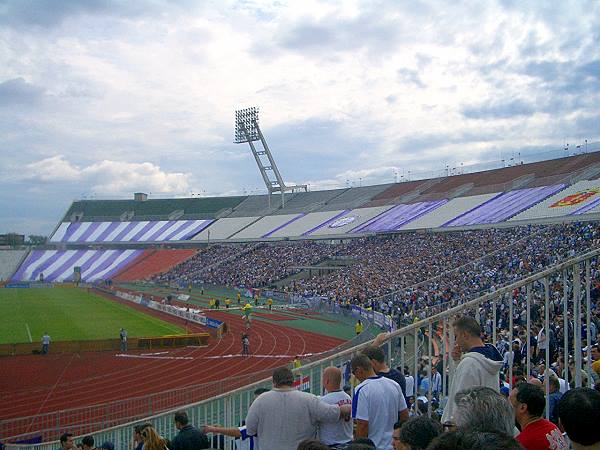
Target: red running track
[{"x": 36, "y": 384}]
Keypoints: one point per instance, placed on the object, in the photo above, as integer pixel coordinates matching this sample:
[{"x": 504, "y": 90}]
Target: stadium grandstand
[{"x": 515, "y": 250}]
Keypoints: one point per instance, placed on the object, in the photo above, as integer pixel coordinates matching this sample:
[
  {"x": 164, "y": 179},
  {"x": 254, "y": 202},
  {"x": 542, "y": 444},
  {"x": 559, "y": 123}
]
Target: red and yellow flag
[{"x": 575, "y": 199}]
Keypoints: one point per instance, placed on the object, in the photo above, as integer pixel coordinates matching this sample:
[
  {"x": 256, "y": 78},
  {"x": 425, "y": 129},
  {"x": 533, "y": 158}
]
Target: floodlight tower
[{"x": 247, "y": 130}]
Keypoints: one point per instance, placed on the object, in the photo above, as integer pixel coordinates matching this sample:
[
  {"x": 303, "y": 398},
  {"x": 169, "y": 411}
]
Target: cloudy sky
[{"x": 101, "y": 98}]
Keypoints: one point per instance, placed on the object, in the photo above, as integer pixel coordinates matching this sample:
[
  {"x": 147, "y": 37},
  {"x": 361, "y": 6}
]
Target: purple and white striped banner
[
  {"x": 143, "y": 231},
  {"x": 59, "y": 265}
]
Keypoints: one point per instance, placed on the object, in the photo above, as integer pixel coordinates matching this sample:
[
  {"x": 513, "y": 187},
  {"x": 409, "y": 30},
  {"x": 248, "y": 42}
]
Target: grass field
[{"x": 71, "y": 314}]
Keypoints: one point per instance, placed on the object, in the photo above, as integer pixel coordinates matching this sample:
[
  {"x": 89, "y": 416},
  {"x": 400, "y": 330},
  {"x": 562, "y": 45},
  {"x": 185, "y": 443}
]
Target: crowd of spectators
[
  {"x": 377, "y": 416},
  {"x": 192, "y": 270},
  {"x": 394, "y": 273},
  {"x": 414, "y": 275}
]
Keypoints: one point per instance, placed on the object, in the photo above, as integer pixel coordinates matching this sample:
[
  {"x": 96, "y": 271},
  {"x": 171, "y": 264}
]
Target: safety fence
[
  {"x": 98, "y": 345},
  {"x": 563, "y": 290}
]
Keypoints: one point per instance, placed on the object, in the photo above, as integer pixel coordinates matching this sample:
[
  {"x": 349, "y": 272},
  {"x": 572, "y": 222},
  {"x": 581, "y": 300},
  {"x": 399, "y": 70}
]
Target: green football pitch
[{"x": 71, "y": 314}]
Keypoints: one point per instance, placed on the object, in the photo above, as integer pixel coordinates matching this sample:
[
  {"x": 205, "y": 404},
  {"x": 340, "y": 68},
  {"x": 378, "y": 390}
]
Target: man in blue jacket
[{"x": 189, "y": 437}]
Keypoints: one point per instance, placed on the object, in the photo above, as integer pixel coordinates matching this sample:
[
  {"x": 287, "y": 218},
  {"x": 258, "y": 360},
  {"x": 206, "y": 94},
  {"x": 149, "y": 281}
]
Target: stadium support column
[
  {"x": 565, "y": 325},
  {"x": 547, "y": 331},
  {"x": 528, "y": 299},
  {"x": 248, "y": 130},
  {"x": 577, "y": 323},
  {"x": 588, "y": 318}
]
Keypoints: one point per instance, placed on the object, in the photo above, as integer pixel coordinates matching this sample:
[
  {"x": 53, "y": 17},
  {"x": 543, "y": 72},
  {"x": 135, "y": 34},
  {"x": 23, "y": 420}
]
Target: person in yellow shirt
[
  {"x": 227, "y": 303},
  {"x": 239, "y": 297},
  {"x": 247, "y": 310},
  {"x": 297, "y": 363},
  {"x": 359, "y": 327},
  {"x": 270, "y": 303},
  {"x": 211, "y": 303}
]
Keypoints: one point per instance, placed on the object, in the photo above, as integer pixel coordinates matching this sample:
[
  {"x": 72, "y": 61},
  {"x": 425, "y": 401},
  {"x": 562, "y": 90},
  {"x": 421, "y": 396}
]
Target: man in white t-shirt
[
  {"x": 244, "y": 441},
  {"x": 284, "y": 416},
  {"x": 377, "y": 405},
  {"x": 331, "y": 433}
]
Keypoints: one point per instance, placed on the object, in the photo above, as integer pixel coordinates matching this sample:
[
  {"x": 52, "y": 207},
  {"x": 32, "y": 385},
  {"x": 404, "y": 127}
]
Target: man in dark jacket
[{"x": 189, "y": 437}]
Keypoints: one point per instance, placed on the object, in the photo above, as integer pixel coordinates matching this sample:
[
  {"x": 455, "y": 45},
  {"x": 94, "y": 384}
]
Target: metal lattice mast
[{"x": 248, "y": 130}]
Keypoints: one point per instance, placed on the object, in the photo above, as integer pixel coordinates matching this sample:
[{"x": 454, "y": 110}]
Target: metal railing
[{"x": 572, "y": 278}]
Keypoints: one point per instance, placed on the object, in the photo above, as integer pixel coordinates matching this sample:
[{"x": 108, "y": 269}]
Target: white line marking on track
[
  {"x": 28, "y": 332},
  {"x": 153, "y": 354},
  {"x": 305, "y": 355},
  {"x": 122, "y": 355}
]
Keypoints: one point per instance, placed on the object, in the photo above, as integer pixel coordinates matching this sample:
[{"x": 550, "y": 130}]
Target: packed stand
[
  {"x": 256, "y": 265},
  {"x": 192, "y": 269}
]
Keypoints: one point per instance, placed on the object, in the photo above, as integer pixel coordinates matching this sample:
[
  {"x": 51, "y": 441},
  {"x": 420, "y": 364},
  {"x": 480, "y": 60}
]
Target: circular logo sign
[{"x": 342, "y": 222}]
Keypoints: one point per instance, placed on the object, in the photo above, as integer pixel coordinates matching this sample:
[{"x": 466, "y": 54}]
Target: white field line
[{"x": 28, "y": 332}]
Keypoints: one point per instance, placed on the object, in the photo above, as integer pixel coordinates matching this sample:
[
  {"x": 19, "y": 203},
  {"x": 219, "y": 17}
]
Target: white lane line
[
  {"x": 28, "y": 332},
  {"x": 122, "y": 355}
]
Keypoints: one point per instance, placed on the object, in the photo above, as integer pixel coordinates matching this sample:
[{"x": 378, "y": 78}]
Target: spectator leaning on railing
[{"x": 284, "y": 416}]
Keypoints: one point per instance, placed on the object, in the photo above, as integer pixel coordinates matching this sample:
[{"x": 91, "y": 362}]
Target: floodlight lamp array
[{"x": 246, "y": 125}]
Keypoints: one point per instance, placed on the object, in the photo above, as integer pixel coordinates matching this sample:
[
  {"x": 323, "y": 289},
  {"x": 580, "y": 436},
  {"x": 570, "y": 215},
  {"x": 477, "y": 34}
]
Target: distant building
[{"x": 12, "y": 239}]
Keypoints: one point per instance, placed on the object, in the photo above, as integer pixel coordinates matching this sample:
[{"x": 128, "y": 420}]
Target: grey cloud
[
  {"x": 309, "y": 35},
  {"x": 501, "y": 110},
  {"x": 48, "y": 14},
  {"x": 19, "y": 92},
  {"x": 379, "y": 26},
  {"x": 410, "y": 76},
  {"x": 567, "y": 77},
  {"x": 315, "y": 148}
]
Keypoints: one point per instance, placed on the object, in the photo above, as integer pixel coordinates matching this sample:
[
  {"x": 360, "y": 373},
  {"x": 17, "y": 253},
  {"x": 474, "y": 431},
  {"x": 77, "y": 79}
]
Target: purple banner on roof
[
  {"x": 504, "y": 206},
  {"x": 586, "y": 208},
  {"x": 399, "y": 216},
  {"x": 293, "y": 219}
]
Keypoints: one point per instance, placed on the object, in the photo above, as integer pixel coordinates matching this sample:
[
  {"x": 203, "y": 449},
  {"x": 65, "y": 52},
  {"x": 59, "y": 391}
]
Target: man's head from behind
[
  {"x": 483, "y": 409},
  {"x": 66, "y": 440},
  {"x": 553, "y": 383},
  {"x": 528, "y": 401},
  {"x": 361, "y": 367},
  {"x": 181, "y": 419},
  {"x": 377, "y": 357},
  {"x": 578, "y": 414},
  {"x": 260, "y": 391},
  {"x": 88, "y": 442},
  {"x": 470, "y": 440},
  {"x": 467, "y": 332},
  {"x": 312, "y": 444},
  {"x": 283, "y": 377},
  {"x": 332, "y": 379},
  {"x": 416, "y": 433}
]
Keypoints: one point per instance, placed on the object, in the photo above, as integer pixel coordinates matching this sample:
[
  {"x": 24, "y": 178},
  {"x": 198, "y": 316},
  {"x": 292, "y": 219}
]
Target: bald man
[{"x": 335, "y": 432}]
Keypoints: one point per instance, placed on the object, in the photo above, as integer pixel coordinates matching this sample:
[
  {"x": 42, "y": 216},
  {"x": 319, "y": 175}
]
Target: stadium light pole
[{"x": 248, "y": 130}]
